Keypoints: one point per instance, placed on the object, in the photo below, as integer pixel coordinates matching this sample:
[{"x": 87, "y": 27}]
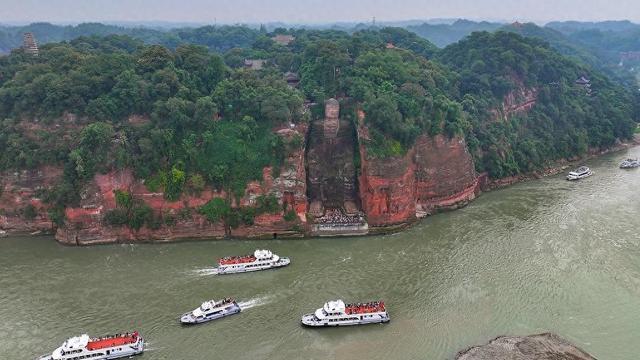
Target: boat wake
[
  {"x": 244, "y": 305},
  {"x": 148, "y": 346},
  {"x": 205, "y": 272}
]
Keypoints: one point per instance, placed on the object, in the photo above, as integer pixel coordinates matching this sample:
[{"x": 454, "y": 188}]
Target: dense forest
[
  {"x": 598, "y": 44},
  {"x": 185, "y": 116},
  {"x": 567, "y": 119}
]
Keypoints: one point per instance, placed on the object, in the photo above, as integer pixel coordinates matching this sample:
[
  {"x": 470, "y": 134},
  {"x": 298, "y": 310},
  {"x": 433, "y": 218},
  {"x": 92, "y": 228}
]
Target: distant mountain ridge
[
  {"x": 568, "y": 27},
  {"x": 445, "y": 34}
]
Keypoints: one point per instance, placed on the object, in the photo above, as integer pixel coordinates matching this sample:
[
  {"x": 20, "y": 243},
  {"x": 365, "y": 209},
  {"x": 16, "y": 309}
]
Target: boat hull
[
  {"x": 282, "y": 262},
  {"x": 308, "y": 321},
  {"x": 579, "y": 177},
  {"x": 188, "y": 319}
]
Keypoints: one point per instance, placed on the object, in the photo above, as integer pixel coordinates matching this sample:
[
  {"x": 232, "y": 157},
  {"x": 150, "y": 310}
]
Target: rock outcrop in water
[{"x": 534, "y": 347}]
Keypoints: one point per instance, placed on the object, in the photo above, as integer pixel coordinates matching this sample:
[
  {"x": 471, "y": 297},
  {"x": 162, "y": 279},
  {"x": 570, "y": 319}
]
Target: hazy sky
[{"x": 313, "y": 11}]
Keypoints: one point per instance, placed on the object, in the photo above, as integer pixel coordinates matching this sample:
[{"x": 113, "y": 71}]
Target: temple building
[
  {"x": 283, "y": 40},
  {"x": 292, "y": 79},
  {"x": 255, "y": 64},
  {"x": 29, "y": 44}
]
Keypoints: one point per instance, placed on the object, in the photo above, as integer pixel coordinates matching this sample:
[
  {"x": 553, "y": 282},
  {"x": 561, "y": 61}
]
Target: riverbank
[
  {"x": 559, "y": 166},
  {"x": 266, "y": 226}
]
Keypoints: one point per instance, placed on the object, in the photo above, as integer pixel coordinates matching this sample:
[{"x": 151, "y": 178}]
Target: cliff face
[
  {"x": 21, "y": 207},
  {"x": 437, "y": 173},
  {"x": 445, "y": 176},
  {"x": 84, "y": 224},
  {"x": 520, "y": 100},
  {"x": 387, "y": 189}
]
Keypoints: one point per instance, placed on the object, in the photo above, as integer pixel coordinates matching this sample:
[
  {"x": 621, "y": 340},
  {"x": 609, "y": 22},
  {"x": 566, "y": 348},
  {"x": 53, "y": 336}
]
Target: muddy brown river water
[{"x": 545, "y": 255}]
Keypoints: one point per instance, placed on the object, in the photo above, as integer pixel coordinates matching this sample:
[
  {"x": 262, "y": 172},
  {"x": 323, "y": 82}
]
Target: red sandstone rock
[
  {"x": 18, "y": 190},
  {"x": 520, "y": 100},
  {"x": 387, "y": 189},
  {"x": 84, "y": 224},
  {"x": 445, "y": 175},
  {"x": 437, "y": 173}
]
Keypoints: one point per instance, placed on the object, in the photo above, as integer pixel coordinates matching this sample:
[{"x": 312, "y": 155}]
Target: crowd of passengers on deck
[
  {"x": 338, "y": 218},
  {"x": 237, "y": 259},
  {"x": 358, "y": 308},
  {"x": 117, "y": 336}
]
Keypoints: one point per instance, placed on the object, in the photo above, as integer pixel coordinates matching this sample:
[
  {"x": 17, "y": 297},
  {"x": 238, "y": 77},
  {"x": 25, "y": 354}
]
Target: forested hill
[
  {"x": 604, "y": 51},
  {"x": 569, "y": 27},
  {"x": 568, "y": 117},
  {"x": 187, "y": 118},
  {"x": 216, "y": 38}
]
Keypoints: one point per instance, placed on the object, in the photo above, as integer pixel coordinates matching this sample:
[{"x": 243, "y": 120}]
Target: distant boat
[
  {"x": 630, "y": 164},
  {"x": 3, "y": 234},
  {"x": 337, "y": 313},
  {"x": 259, "y": 260},
  {"x": 211, "y": 310},
  {"x": 580, "y": 173}
]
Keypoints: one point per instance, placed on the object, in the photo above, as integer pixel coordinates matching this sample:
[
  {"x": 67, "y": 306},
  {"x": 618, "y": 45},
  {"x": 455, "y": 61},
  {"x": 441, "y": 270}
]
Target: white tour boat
[
  {"x": 211, "y": 310},
  {"x": 580, "y": 173},
  {"x": 259, "y": 260},
  {"x": 630, "y": 164},
  {"x": 336, "y": 313},
  {"x": 108, "y": 347}
]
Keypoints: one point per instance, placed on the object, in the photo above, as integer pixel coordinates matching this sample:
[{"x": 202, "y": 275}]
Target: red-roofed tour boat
[
  {"x": 104, "y": 348},
  {"x": 259, "y": 260}
]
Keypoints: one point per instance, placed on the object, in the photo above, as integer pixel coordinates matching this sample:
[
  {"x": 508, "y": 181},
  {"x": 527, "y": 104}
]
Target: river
[{"x": 545, "y": 255}]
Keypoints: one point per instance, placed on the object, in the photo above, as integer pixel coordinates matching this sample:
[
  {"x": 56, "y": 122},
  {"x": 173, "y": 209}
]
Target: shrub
[
  {"x": 196, "y": 183},
  {"x": 290, "y": 216},
  {"x": 184, "y": 213},
  {"x": 169, "y": 219},
  {"x": 174, "y": 184},
  {"x": 267, "y": 204},
  {"x": 123, "y": 199},
  {"x": 116, "y": 217},
  {"x": 57, "y": 216},
  {"x": 30, "y": 212},
  {"x": 247, "y": 215},
  {"x": 215, "y": 210},
  {"x": 139, "y": 216},
  {"x": 154, "y": 183}
]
